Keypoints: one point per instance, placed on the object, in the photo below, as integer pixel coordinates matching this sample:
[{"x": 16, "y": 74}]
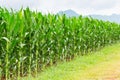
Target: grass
[{"x": 83, "y": 67}]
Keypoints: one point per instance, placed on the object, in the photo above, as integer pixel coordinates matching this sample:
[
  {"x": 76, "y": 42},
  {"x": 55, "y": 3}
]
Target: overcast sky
[{"x": 84, "y": 7}]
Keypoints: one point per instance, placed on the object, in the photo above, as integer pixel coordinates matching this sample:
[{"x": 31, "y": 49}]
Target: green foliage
[{"x": 30, "y": 40}]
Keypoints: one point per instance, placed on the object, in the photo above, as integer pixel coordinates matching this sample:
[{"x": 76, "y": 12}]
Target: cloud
[
  {"x": 81, "y": 6},
  {"x": 103, "y": 4},
  {"x": 17, "y": 4},
  {"x": 114, "y": 10}
]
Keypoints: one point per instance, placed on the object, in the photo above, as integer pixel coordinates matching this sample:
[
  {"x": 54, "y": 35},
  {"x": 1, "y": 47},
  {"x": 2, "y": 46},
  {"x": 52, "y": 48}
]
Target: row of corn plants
[{"x": 29, "y": 40}]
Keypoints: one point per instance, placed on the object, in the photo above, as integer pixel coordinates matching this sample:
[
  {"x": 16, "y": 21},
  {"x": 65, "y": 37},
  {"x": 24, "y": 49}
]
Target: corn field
[{"x": 29, "y": 40}]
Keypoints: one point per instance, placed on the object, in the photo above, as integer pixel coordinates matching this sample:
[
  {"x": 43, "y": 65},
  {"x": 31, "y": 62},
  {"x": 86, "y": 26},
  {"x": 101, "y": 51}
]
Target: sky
[{"x": 84, "y": 7}]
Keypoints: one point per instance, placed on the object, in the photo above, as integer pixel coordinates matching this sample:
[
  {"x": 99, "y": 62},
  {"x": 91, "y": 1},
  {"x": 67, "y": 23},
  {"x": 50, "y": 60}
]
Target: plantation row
[{"x": 30, "y": 40}]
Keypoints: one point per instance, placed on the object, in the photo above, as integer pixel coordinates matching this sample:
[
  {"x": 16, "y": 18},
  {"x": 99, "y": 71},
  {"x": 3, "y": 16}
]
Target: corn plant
[{"x": 30, "y": 41}]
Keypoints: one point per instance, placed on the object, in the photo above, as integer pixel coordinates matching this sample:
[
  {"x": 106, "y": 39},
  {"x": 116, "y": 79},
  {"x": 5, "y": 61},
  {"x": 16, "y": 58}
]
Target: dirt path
[{"x": 108, "y": 70}]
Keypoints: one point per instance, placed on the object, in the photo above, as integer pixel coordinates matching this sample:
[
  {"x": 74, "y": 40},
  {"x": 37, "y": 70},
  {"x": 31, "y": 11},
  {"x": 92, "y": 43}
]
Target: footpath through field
[
  {"x": 100, "y": 65},
  {"x": 107, "y": 70}
]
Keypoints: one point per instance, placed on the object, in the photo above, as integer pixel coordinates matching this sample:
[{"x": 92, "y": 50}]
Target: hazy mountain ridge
[
  {"x": 69, "y": 13},
  {"x": 112, "y": 18}
]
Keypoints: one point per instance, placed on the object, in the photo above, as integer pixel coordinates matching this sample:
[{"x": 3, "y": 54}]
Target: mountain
[
  {"x": 69, "y": 13},
  {"x": 111, "y": 18}
]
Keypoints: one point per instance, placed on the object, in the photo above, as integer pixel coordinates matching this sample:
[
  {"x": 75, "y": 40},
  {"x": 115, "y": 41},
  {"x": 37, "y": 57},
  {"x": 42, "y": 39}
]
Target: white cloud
[
  {"x": 80, "y": 6},
  {"x": 114, "y": 10},
  {"x": 103, "y": 4}
]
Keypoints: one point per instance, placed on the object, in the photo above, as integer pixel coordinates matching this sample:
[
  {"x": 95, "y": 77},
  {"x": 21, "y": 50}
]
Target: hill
[{"x": 111, "y": 18}]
